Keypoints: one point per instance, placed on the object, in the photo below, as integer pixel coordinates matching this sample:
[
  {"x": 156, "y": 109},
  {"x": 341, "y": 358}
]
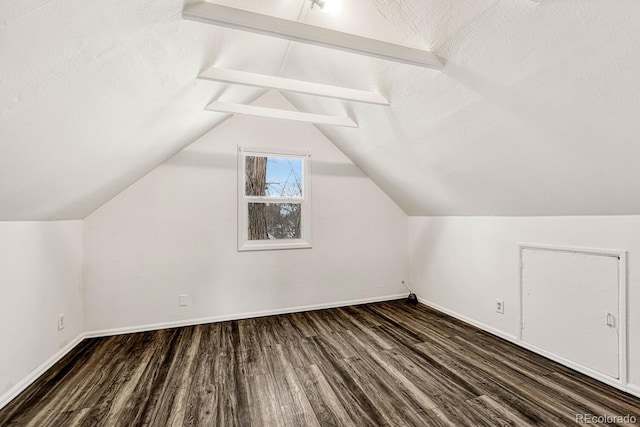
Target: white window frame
[{"x": 304, "y": 242}]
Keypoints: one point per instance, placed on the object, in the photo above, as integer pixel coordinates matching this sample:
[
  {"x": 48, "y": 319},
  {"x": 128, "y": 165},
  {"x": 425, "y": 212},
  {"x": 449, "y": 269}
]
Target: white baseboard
[
  {"x": 633, "y": 389},
  {"x": 628, "y": 388},
  {"x": 246, "y": 315},
  {"x": 484, "y": 327},
  {"x": 35, "y": 374},
  {"x": 14, "y": 391}
]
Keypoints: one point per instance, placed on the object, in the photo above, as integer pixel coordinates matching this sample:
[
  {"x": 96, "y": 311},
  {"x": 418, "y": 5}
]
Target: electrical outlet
[
  {"x": 182, "y": 300},
  {"x": 60, "y": 321},
  {"x": 500, "y": 306}
]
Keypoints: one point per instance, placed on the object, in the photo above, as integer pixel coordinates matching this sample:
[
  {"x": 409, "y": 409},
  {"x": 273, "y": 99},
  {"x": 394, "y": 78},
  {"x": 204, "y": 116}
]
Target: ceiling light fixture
[{"x": 319, "y": 3}]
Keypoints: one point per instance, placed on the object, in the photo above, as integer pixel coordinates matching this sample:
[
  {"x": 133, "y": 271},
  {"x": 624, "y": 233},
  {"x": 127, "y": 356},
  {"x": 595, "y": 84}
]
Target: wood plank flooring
[{"x": 383, "y": 364}]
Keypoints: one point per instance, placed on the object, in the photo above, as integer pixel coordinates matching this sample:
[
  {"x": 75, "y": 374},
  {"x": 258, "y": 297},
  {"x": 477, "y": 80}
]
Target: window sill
[{"x": 261, "y": 245}]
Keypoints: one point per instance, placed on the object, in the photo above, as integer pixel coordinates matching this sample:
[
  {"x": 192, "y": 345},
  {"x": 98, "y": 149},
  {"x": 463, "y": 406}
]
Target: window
[{"x": 274, "y": 194}]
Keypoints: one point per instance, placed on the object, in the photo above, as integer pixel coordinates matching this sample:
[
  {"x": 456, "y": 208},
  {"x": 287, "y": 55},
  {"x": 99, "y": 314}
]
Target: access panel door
[{"x": 570, "y": 306}]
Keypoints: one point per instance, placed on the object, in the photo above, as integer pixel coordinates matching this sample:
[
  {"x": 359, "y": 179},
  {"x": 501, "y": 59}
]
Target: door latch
[{"x": 611, "y": 320}]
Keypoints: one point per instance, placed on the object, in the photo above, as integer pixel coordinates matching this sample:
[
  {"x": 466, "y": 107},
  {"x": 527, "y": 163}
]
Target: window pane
[
  {"x": 273, "y": 176},
  {"x": 274, "y": 221}
]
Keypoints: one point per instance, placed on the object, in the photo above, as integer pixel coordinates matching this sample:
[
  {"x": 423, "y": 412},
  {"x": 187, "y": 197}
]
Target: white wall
[
  {"x": 464, "y": 264},
  {"x": 40, "y": 276},
  {"x": 174, "y": 232}
]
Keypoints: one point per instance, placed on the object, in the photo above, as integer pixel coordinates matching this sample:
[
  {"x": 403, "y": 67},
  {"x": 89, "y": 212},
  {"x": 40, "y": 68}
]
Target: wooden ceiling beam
[
  {"x": 291, "y": 85},
  {"x": 273, "y": 113},
  {"x": 239, "y": 19}
]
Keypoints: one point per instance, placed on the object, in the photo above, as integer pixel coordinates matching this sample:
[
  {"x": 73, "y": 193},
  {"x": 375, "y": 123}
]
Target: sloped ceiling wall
[
  {"x": 535, "y": 112},
  {"x": 95, "y": 94}
]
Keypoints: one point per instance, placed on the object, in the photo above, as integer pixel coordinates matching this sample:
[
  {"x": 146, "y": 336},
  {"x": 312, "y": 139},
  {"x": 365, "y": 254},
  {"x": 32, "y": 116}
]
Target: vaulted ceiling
[{"x": 534, "y": 113}]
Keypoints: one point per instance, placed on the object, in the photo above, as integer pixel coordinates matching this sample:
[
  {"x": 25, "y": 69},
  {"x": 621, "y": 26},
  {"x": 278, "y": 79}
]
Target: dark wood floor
[{"x": 384, "y": 364}]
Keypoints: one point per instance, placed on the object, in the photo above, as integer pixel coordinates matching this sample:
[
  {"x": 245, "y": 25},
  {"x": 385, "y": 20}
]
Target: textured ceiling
[{"x": 535, "y": 112}]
